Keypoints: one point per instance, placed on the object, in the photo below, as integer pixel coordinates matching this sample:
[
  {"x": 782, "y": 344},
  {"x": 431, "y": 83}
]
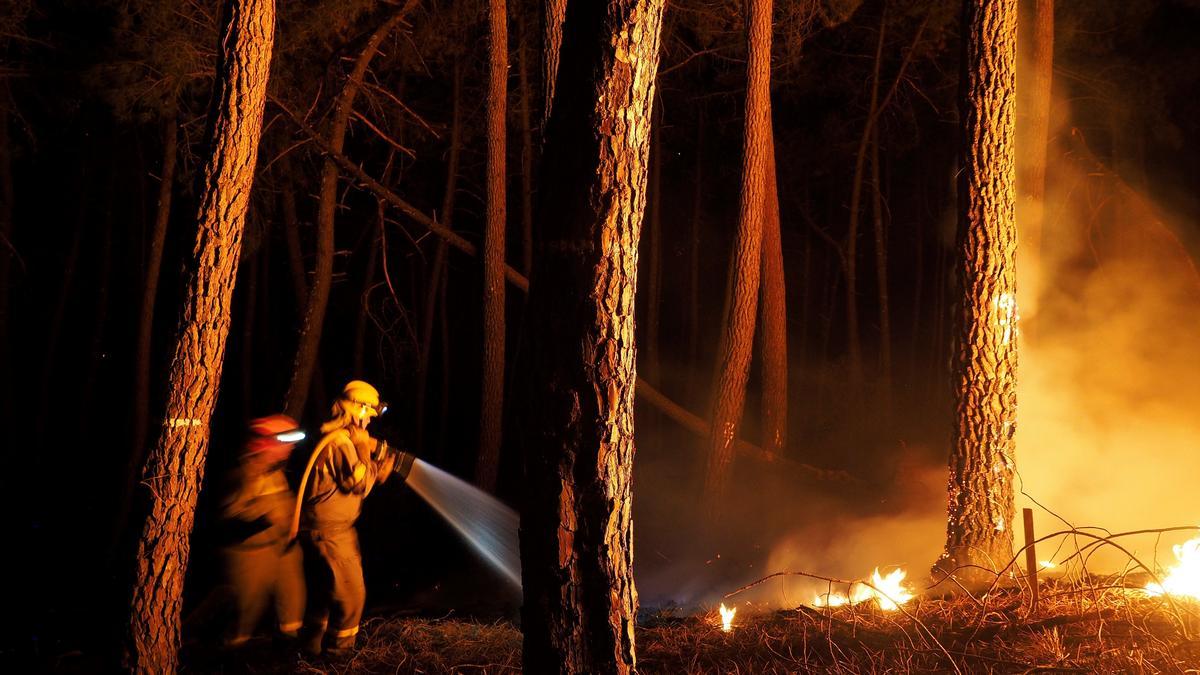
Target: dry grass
[{"x": 1092, "y": 628}]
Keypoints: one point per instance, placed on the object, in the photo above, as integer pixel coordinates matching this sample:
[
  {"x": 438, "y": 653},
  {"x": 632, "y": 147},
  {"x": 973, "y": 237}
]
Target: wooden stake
[{"x": 1031, "y": 562}]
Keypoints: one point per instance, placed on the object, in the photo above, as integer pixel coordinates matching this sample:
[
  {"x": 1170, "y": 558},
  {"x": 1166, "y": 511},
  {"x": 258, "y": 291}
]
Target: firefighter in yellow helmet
[
  {"x": 344, "y": 467},
  {"x": 260, "y": 561}
]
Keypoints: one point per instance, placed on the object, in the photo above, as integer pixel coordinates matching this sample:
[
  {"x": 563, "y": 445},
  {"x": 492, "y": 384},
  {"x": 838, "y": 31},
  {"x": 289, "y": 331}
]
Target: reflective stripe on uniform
[
  {"x": 289, "y": 627},
  {"x": 347, "y": 632}
]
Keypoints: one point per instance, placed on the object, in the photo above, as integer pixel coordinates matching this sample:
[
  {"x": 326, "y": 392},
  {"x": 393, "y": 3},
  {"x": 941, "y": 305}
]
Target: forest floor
[{"x": 1093, "y": 629}]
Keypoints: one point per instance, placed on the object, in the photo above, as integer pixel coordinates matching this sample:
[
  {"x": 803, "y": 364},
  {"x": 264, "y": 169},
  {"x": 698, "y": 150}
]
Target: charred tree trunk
[
  {"x": 491, "y": 411},
  {"x": 739, "y": 331},
  {"x": 774, "y": 316},
  {"x": 979, "y": 523},
  {"x": 175, "y": 466},
  {"x": 318, "y": 296},
  {"x": 576, "y": 525},
  {"x": 1034, "y": 92},
  {"x": 145, "y": 334}
]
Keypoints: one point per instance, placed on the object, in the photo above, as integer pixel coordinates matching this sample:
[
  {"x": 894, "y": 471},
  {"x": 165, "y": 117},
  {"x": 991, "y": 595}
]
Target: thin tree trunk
[
  {"x": 436, "y": 282},
  {"x": 175, "y": 466},
  {"x": 853, "y": 339},
  {"x": 881, "y": 278},
  {"x": 576, "y": 525},
  {"x": 318, "y": 297},
  {"x": 145, "y": 334},
  {"x": 981, "y": 508},
  {"x": 774, "y": 317},
  {"x": 739, "y": 332},
  {"x": 649, "y": 362},
  {"x": 491, "y": 409},
  {"x": 526, "y": 149}
]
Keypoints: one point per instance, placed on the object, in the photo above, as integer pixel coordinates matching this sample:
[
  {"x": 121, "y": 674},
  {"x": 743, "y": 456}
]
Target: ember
[
  {"x": 1183, "y": 580},
  {"x": 888, "y": 592}
]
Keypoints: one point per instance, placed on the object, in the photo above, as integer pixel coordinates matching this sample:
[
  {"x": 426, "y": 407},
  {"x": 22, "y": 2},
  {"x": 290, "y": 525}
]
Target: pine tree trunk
[
  {"x": 437, "y": 273},
  {"x": 774, "y": 317},
  {"x": 1037, "y": 22},
  {"x": 739, "y": 332},
  {"x": 318, "y": 296},
  {"x": 175, "y": 466},
  {"x": 145, "y": 334},
  {"x": 980, "y": 513},
  {"x": 881, "y": 278},
  {"x": 576, "y": 525},
  {"x": 491, "y": 408}
]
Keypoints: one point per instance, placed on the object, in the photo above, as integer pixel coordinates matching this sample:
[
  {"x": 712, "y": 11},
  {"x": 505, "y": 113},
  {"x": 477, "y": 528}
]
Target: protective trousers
[
  {"x": 258, "y": 573},
  {"x": 333, "y": 565}
]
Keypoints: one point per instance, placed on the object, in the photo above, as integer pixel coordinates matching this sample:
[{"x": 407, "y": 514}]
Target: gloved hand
[{"x": 403, "y": 463}]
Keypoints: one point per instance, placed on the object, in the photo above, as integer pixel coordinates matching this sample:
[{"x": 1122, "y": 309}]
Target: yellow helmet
[{"x": 366, "y": 396}]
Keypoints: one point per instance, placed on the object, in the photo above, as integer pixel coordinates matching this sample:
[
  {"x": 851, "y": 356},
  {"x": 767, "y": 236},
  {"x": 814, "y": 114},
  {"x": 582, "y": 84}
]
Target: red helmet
[{"x": 272, "y": 438}]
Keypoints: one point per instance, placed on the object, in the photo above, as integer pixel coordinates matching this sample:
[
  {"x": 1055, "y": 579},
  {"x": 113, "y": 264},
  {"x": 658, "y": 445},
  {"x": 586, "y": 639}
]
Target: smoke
[{"x": 1109, "y": 376}]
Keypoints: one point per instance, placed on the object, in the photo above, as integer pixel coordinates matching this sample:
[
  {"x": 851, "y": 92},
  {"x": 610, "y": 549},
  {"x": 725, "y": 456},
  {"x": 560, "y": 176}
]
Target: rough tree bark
[
  {"x": 576, "y": 524},
  {"x": 318, "y": 296},
  {"x": 145, "y": 333},
  {"x": 491, "y": 409},
  {"x": 739, "y": 331},
  {"x": 175, "y": 466},
  {"x": 774, "y": 316},
  {"x": 980, "y": 512}
]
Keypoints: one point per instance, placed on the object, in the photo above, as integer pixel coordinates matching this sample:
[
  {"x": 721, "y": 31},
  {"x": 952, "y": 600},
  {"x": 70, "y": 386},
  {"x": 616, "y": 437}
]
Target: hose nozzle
[{"x": 404, "y": 464}]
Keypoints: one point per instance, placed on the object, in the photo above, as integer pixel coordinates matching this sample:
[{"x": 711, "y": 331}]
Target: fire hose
[{"x": 404, "y": 462}]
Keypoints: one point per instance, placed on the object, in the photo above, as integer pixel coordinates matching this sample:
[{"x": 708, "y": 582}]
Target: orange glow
[
  {"x": 889, "y": 592},
  {"x": 1182, "y": 580},
  {"x": 727, "y": 617}
]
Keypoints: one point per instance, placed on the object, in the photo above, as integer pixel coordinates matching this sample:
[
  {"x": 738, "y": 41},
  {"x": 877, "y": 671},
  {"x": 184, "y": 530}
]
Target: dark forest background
[{"x": 87, "y": 88}]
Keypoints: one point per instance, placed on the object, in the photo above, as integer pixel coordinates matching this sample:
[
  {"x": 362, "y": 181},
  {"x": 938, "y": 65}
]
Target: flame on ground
[
  {"x": 1183, "y": 580},
  {"x": 727, "y": 617},
  {"x": 888, "y": 592}
]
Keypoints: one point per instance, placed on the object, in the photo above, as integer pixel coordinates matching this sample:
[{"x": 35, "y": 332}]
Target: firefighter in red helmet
[
  {"x": 345, "y": 465},
  {"x": 260, "y": 561}
]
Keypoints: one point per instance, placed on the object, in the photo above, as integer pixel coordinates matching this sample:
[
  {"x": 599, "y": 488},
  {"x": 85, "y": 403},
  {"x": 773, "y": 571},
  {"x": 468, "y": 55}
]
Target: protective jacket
[
  {"x": 344, "y": 473},
  {"x": 259, "y": 562}
]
